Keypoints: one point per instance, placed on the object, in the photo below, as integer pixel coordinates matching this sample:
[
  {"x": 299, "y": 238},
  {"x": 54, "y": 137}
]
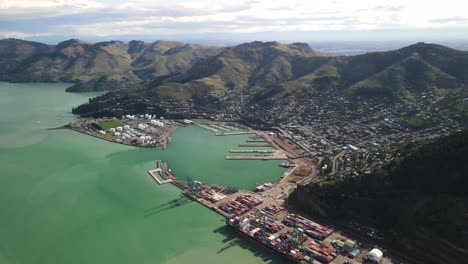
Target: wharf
[
  {"x": 207, "y": 127},
  {"x": 256, "y": 141},
  {"x": 255, "y": 145},
  {"x": 236, "y": 133},
  {"x": 154, "y": 173},
  {"x": 164, "y": 173},
  {"x": 252, "y": 151},
  {"x": 220, "y": 128},
  {"x": 260, "y": 157}
]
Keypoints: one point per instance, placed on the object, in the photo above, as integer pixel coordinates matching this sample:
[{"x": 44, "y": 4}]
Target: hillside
[
  {"x": 260, "y": 77},
  {"x": 419, "y": 200},
  {"x": 74, "y": 60}
]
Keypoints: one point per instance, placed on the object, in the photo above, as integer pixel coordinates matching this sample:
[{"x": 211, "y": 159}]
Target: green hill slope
[
  {"x": 74, "y": 60},
  {"x": 419, "y": 200}
]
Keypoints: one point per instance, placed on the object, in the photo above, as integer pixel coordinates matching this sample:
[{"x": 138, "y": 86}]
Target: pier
[
  {"x": 220, "y": 128},
  {"x": 235, "y": 133},
  {"x": 252, "y": 151},
  {"x": 254, "y": 145},
  {"x": 268, "y": 154},
  {"x": 259, "y": 157},
  {"x": 165, "y": 176},
  {"x": 154, "y": 173},
  {"x": 207, "y": 127}
]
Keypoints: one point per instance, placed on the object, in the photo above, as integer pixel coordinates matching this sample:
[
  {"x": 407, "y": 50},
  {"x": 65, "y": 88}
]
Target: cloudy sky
[{"x": 235, "y": 19}]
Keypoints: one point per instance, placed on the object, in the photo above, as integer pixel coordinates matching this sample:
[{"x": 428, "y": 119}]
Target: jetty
[
  {"x": 154, "y": 173},
  {"x": 207, "y": 127},
  {"x": 252, "y": 151},
  {"x": 258, "y": 157},
  {"x": 254, "y": 145},
  {"x": 162, "y": 174},
  {"x": 235, "y": 133},
  {"x": 256, "y": 141},
  {"x": 220, "y": 128}
]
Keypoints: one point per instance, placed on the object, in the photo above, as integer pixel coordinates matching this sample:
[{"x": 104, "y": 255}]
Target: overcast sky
[{"x": 296, "y": 20}]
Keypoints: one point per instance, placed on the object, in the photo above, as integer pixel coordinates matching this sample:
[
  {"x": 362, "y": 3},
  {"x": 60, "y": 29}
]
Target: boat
[
  {"x": 292, "y": 258},
  {"x": 287, "y": 164}
]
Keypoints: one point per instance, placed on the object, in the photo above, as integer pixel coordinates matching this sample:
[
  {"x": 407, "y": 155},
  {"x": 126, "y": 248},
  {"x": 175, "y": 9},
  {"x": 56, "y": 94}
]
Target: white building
[
  {"x": 375, "y": 255},
  {"x": 156, "y": 123}
]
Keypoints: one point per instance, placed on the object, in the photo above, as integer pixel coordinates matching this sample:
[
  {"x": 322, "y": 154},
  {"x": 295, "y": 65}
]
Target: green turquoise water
[{"x": 70, "y": 198}]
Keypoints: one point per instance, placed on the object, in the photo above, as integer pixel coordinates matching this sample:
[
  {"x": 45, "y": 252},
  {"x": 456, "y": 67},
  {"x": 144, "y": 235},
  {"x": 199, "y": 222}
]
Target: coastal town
[{"x": 261, "y": 214}]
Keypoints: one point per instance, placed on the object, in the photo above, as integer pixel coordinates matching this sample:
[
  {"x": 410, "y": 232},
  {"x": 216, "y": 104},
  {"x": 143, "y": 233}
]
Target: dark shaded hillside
[
  {"x": 419, "y": 201},
  {"x": 77, "y": 61}
]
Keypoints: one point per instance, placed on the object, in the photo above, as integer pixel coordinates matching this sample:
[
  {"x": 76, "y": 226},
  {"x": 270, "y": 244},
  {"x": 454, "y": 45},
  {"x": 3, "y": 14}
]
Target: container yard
[
  {"x": 234, "y": 207},
  {"x": 311, "y": 228},
  {"x": 319, "y": 251},
  {"x": 290, "y": 242},
  {"x": 271, "y": 209},
  {"x": 261, "y": 217},
  {"x": 211, "y": 195},
  {"x": 249, "y": 200},
  {"x": 282, "y": 244}
]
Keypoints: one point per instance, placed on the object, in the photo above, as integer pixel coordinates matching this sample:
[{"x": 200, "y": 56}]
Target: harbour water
[{"x": 71, "y": 198}]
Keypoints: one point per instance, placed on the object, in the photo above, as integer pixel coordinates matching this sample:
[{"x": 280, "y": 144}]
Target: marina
[{"x": 261, "y": 216}]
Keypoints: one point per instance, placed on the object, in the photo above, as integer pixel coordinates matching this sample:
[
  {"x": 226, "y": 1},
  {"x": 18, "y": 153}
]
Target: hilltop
[{"x": 78, "y": 61}]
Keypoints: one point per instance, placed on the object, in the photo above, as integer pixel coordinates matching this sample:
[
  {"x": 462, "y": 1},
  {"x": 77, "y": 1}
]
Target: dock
[
  {"x": 235, "y": 133},
  {"x": 259, "y": 157},
  {"x": 207, "y": 127},
  {"x": 154, "y": 173},
  {"x": 220, "y": 128},
  {"x": 251, "y": 151},
  {"x": 255, "y": 145},
  {"x": 165, "y": 176}
]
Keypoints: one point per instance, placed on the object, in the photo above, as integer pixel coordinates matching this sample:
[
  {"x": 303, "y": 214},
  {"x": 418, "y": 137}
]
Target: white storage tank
[
  {"x": 126, "y": 127},
  {"x": 119, "y": 128},
  {"x": 375, "y": 255},
  {"x": 112, "y": 130}
]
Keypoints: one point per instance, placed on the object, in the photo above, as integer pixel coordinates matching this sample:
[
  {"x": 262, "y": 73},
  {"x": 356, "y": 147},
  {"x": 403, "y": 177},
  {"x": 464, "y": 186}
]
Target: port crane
[
  {"x": 296, "y": 239},
  {"x": 194, "y": 189}
]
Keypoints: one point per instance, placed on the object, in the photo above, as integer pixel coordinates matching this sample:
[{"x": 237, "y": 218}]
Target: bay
[{"x": 70, "y": 198}]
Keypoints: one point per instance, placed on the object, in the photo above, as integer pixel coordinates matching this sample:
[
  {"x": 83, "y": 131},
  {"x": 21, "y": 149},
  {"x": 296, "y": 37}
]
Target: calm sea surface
[{"x": 71, "y": 198}]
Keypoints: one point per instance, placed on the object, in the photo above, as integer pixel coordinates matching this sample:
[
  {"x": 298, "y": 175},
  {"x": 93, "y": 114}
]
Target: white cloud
[{"x": 115, "y": 17}]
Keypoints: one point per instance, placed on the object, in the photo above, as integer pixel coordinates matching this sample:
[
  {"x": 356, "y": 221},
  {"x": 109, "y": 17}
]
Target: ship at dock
[
  {"x": 287, "y": 164},
  {"x": 284, "y": 244},
  {"x": 296, "y": 238}
]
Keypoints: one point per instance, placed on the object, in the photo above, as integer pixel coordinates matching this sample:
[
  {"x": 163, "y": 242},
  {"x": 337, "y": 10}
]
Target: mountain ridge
[{"x": 74, "y": 60}]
